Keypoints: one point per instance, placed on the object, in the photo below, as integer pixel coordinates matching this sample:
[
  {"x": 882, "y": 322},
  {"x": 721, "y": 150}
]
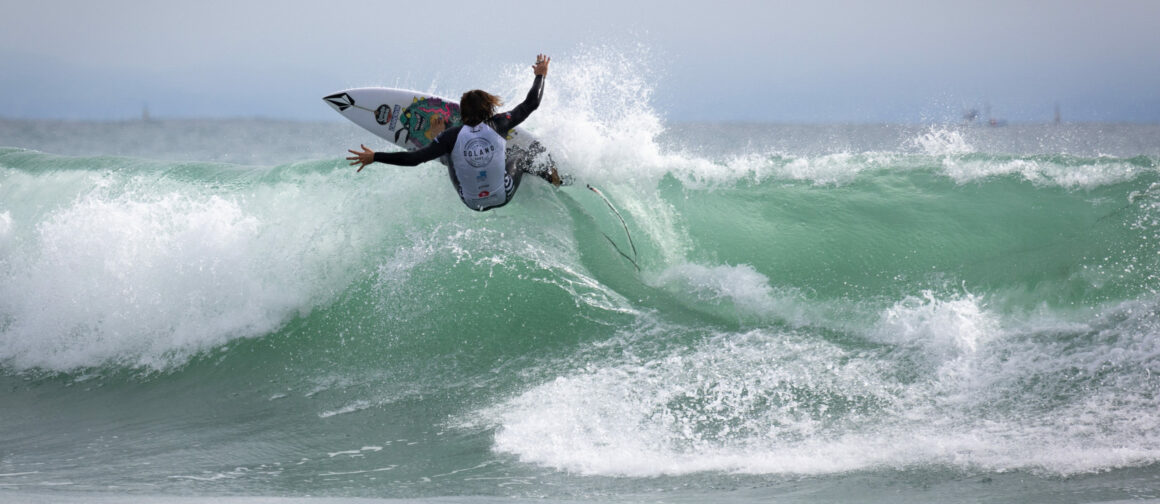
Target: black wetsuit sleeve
[
  {"x": 502, "y": 123},
  {"x": 440, "y": 147}
]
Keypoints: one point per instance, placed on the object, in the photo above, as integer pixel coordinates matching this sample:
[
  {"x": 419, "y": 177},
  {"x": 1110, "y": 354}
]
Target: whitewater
[{"x": 872, "y": 313}]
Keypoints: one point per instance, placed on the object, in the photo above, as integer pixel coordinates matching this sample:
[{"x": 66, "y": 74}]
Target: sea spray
[{"x": 945, "y": 313}]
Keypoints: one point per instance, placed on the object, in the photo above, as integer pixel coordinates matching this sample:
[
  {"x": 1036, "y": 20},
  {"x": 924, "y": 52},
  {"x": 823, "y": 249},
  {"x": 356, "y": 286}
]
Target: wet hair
[{"x": 476, "y": 106}]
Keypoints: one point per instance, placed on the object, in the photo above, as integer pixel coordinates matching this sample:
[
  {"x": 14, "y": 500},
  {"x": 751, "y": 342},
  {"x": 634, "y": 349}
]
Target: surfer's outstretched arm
[
  {"x": 403, "y": 158},
  {"x": 506, "y": 121}
]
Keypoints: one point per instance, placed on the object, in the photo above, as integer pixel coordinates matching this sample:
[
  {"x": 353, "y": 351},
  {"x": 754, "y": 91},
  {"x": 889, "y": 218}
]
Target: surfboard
[{"x": 412, "y": 120}]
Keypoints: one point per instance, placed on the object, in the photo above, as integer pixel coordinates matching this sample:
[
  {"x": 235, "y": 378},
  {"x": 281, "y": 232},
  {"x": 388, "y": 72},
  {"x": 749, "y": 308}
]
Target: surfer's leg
[
  {"x": 454, "y": 179},
  {"x": 511, "y": 181},
  {"x": 551, "y": 175},
  {"x": 526, "y": 161},
  {"x": 455, "y": 182}
]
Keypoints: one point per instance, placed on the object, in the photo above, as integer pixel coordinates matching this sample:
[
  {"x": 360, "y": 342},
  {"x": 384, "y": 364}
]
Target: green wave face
[{"x": 202, "y": 327}]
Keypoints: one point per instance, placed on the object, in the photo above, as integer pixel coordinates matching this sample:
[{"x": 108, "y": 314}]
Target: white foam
[
  {"x": 365, "y": 471},
  {"x": 951, "y": 145},
  {"x": 827, "y": 169},
  {"x": 358, "y": 452},
  {"x": 940, "y": 141},
  {"x": 948, "y": 327},
  {"x": 1081, "y": 176},
  {"x": 516, "y": 246},
  {"x": 349, "y": 408},
  {"x": 740, "y": 287},
  {"x": 143, "y": 272},
  {"x": 769, "y": 401},
  {"x": 5, "y": 236},
  {"x": 708, "y": 409},
  {"x": 118, "y": 277},
  {"x": 598, "y": 121}
]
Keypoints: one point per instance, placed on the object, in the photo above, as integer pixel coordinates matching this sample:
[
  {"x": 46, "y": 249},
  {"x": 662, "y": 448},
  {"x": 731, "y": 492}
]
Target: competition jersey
[{"x": 478, "y": 161}]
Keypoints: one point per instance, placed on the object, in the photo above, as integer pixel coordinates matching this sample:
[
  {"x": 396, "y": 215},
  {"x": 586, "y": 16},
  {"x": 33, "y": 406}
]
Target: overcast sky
[{"x": 808, "y": 61}]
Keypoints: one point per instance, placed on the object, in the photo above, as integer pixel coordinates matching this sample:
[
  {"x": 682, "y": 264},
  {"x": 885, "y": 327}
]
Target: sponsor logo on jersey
[{"x": 478, "y": 152}]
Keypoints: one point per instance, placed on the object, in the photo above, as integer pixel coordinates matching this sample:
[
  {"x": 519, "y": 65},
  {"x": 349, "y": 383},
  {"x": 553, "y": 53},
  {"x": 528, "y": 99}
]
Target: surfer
[{"x": 482, "y": 173}]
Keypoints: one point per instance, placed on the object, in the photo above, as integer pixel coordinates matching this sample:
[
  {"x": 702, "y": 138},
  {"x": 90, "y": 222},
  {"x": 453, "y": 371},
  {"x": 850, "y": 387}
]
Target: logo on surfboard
[
  {"x": 425, "y": 119},
  {"x": 383, "y": 114},
  {"x": 340, "y": 101}
]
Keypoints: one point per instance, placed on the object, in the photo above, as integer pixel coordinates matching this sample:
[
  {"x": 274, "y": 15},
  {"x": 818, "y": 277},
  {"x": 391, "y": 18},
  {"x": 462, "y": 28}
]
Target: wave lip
[
  {"x": 146, "y": 269},
  {"x": 138, "y": 281}
]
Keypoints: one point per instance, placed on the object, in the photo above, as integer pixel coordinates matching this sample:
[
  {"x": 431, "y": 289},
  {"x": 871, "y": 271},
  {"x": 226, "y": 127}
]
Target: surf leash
[{"x": 616, "y": 212}]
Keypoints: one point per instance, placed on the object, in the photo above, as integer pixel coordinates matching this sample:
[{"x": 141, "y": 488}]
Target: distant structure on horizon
[
  {"x": 991, "y": 121},
  {"x": 145, "y": 113},
  {"x": 972, "y": 114}
]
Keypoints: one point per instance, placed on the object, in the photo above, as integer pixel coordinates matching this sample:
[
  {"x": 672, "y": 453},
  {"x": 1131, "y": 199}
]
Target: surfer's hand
[
  {"x": 541, "y": 66},
  {"x": 362, "y": 159}
]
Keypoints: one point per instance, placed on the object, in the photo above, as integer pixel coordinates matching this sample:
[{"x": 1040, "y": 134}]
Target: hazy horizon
[{"x": 836, "y": 62}]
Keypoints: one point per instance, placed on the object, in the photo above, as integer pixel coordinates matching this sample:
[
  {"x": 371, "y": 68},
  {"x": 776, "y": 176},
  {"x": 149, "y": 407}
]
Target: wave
[
  {"x": 966, "y": 388},
  {"x": 152, "y": 262},
  {"x": 933, "y": 302}
]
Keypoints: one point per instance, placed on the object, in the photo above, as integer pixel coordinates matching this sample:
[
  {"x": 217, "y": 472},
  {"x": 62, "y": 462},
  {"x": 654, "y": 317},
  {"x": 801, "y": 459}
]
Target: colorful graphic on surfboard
[{"x": 411, "y": 120}]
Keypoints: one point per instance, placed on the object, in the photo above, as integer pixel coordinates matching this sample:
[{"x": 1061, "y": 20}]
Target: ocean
[{"x": 222, "y": 310}]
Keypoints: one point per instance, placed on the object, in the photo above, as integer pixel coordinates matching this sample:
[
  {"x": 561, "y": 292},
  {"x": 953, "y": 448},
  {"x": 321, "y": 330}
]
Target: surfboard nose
[{"x": 339, "y": 101}]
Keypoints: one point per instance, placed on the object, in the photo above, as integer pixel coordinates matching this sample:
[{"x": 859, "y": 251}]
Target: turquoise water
[{"x": 822, "y": 313}]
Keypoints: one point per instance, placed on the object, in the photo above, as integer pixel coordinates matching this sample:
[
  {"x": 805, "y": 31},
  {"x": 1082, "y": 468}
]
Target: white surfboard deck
[{"x": 412, "y": 119}]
